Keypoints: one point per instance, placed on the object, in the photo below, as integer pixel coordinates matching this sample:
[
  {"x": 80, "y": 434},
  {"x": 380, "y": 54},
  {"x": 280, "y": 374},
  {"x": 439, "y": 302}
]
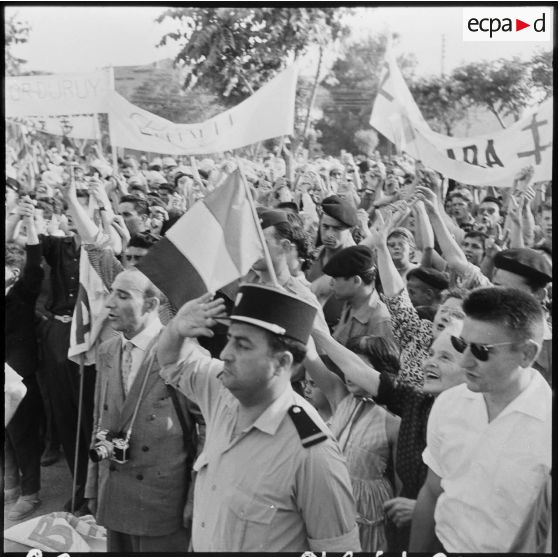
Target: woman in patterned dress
[{"x": 367, "y": 435}]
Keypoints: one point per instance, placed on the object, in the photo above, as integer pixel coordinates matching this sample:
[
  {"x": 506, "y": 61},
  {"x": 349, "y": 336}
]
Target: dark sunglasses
[{"x": 479, "y": 351}]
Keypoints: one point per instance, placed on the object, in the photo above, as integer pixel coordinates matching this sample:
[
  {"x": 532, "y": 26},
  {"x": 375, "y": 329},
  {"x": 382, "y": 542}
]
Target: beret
[
  {"x": 350, "y": 261},
  {"x": 274, "y": 310},
  {"x": 430, "y": 276},
  {"x": 271, "y": 217},
  {"x": 525, "y": 262},
  {"x": 340, "y": 209}
]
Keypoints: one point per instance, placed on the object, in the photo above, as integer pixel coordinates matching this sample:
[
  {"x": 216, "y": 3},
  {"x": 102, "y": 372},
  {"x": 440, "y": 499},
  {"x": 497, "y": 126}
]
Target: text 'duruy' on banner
[{"x": 58, "y": 94}]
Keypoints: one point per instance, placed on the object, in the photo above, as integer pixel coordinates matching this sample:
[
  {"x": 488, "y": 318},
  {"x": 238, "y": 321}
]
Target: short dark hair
[
  {"x": 517, "y": 310},
  {"x": 143, "y": 240},
  {"x": 368, "y": 277},
  {"x": 476, "y": 234},
  {"x": 15, "y": 256},
  {"x": 279, "y": 343},
  {"x": 382, "y": 352},
  {"x": 492, "y": 199},
  {"x": 140, "y": 205}
]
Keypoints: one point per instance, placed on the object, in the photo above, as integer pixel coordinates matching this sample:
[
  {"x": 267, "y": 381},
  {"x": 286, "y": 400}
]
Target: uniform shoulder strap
[{"x": 309, "y": 432}]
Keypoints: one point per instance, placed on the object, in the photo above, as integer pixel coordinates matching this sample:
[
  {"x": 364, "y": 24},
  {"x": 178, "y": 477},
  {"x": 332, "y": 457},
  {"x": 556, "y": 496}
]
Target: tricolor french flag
[{"x": 212, "y": 244}]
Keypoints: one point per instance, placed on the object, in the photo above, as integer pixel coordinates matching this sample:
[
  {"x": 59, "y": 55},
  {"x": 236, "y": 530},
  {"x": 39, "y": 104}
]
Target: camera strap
[{"x": 146, "y": 364}]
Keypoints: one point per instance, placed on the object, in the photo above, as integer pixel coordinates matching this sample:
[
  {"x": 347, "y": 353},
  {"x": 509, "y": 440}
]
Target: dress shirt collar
[
  {"x": 145, "y": 336},
  {"x": 362, "y": 313},
  {"x": 528, "y": 402}
]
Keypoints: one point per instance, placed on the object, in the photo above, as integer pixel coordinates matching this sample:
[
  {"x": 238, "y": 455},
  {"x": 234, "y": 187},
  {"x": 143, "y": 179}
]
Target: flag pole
[
  {"x": 80, "y": 410},
  {"x": 267, "y": 256}
]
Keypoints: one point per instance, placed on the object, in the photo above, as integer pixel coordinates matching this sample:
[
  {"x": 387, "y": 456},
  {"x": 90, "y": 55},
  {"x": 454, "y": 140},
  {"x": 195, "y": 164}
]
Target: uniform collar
[{"x": 272, "y": 417}]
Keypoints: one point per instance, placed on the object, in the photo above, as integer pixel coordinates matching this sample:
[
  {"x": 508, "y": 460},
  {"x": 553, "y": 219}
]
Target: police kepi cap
[
  {"x": 350, "y": 261},
  {"x": 273, "y": 310},
  {"x": 340, "y": 209},
  {"x": 525, "y": 262}
]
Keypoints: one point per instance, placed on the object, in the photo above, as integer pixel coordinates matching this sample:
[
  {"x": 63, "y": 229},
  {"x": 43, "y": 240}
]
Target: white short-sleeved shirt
[
  {"x": 491, "y": 472},
  {"x": 262, "y": 491}
]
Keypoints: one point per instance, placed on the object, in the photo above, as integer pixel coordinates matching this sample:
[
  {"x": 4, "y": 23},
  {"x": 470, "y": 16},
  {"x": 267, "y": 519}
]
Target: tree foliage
[
  {"x": 540, "y": 67},
  {"x": 353, "y": 85},
  {"x": 234, "y": 51},
  {"x": 167, "y": 100},
  {"x": 440, "y": 99},
  {"x": 502, "y": 86},
  {"x": 16, "y": 32}
]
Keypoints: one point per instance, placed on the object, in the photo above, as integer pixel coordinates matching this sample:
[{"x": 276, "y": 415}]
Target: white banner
[
  {"x": 59, "y": 94},
  {"x": 267, "y": 114},
  {"x": 491, "y": 159},
  {"x": 81, "y": 126}
]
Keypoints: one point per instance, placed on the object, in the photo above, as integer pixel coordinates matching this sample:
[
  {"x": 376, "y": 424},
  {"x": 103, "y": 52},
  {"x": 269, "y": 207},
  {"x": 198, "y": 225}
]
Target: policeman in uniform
[{"x": 270, "y": 478}]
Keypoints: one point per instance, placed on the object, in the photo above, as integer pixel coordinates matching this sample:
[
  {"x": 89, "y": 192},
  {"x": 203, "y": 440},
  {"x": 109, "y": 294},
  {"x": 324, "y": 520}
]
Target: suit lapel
[{"x": 149, "y": 367}]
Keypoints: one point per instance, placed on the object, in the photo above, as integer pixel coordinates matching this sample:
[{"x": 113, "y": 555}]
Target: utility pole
[{"x": 443, "y": 54}]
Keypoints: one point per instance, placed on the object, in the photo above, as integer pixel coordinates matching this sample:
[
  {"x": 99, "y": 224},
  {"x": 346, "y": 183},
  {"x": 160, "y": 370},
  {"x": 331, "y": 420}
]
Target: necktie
[{"x": 127, "y": 366}]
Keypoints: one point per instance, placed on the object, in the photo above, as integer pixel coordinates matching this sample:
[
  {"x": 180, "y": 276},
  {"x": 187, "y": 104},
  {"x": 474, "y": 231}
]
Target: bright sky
[{"x": 82, "y": 38}]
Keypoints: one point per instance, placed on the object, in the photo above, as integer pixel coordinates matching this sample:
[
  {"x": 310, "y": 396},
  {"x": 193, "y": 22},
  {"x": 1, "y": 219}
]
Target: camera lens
[{"x": 98, "y": 453}]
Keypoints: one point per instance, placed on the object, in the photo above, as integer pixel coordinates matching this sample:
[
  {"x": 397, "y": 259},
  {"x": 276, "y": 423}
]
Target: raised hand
[
  {"x": 428, "y": 197},
  {"x": 197, "y": 316}
]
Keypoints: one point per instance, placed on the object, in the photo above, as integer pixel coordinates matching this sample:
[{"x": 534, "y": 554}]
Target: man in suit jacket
[
  {"x": 24, "y": 275},
  {"x": 141, "y": 501}
]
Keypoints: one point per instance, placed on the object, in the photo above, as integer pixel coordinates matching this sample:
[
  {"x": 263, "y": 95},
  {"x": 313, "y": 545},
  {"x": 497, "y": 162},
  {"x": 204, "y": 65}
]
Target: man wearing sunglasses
[{"x": 489, "y": 440}]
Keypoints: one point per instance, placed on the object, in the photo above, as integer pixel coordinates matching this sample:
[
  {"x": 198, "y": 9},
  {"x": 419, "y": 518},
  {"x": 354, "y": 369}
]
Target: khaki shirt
[
  {"x": 262, "y": 491},
  {"x": 372, "y": 318}
]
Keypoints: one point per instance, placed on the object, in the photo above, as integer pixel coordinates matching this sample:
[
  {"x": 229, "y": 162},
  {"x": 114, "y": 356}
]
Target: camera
[{"x": 109, "y": 446}]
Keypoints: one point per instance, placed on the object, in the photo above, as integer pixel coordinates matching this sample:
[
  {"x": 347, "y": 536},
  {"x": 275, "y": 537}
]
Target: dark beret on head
[
  {"x": 432, "y": 277},
  {"x": 271, "y": 217},
  {"x": 525, "y": 262},
  {"x": 350, "y": 261},
  {"x": 341, "y": 210}
]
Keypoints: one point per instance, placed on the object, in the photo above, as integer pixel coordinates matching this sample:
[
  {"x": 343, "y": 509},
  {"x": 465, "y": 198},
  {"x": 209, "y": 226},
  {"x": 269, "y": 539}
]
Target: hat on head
[
  {"x": 350, "y": 261},
  {"x": 340, "y": 209},
  {"x": 271, "y": 217},
  {"x": 526, "y": 262},
  {"x": 432, "y": 277},
  {"x": 157, "y": 162},
  {"x": 273, "y": 310},
  {"x": 168, "y": 162},
  {"x": 155, "y": 177}
]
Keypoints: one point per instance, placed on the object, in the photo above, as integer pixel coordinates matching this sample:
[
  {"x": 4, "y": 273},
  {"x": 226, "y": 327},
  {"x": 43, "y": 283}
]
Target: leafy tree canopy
[
  {"x": 16, "y": 32},
  {"x": 234, "y": 51}
]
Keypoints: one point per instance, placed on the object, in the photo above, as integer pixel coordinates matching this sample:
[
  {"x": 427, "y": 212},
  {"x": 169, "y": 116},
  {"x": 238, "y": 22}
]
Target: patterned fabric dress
[{"x": 360, "y": 428}]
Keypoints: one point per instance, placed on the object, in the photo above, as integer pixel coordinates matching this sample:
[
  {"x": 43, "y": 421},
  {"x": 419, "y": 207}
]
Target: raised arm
[
  {"x": 392, "y": 282},
  {"x": 451, "y": 250},
  {"x": 350, "y": 363},
  {"x": 329, "y": 383},
  {"x": 194, "y": 319}
]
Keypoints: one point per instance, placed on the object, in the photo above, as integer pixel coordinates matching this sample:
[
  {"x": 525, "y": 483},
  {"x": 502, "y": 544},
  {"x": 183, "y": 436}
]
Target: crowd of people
[{"x": 386, "y": 387}]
